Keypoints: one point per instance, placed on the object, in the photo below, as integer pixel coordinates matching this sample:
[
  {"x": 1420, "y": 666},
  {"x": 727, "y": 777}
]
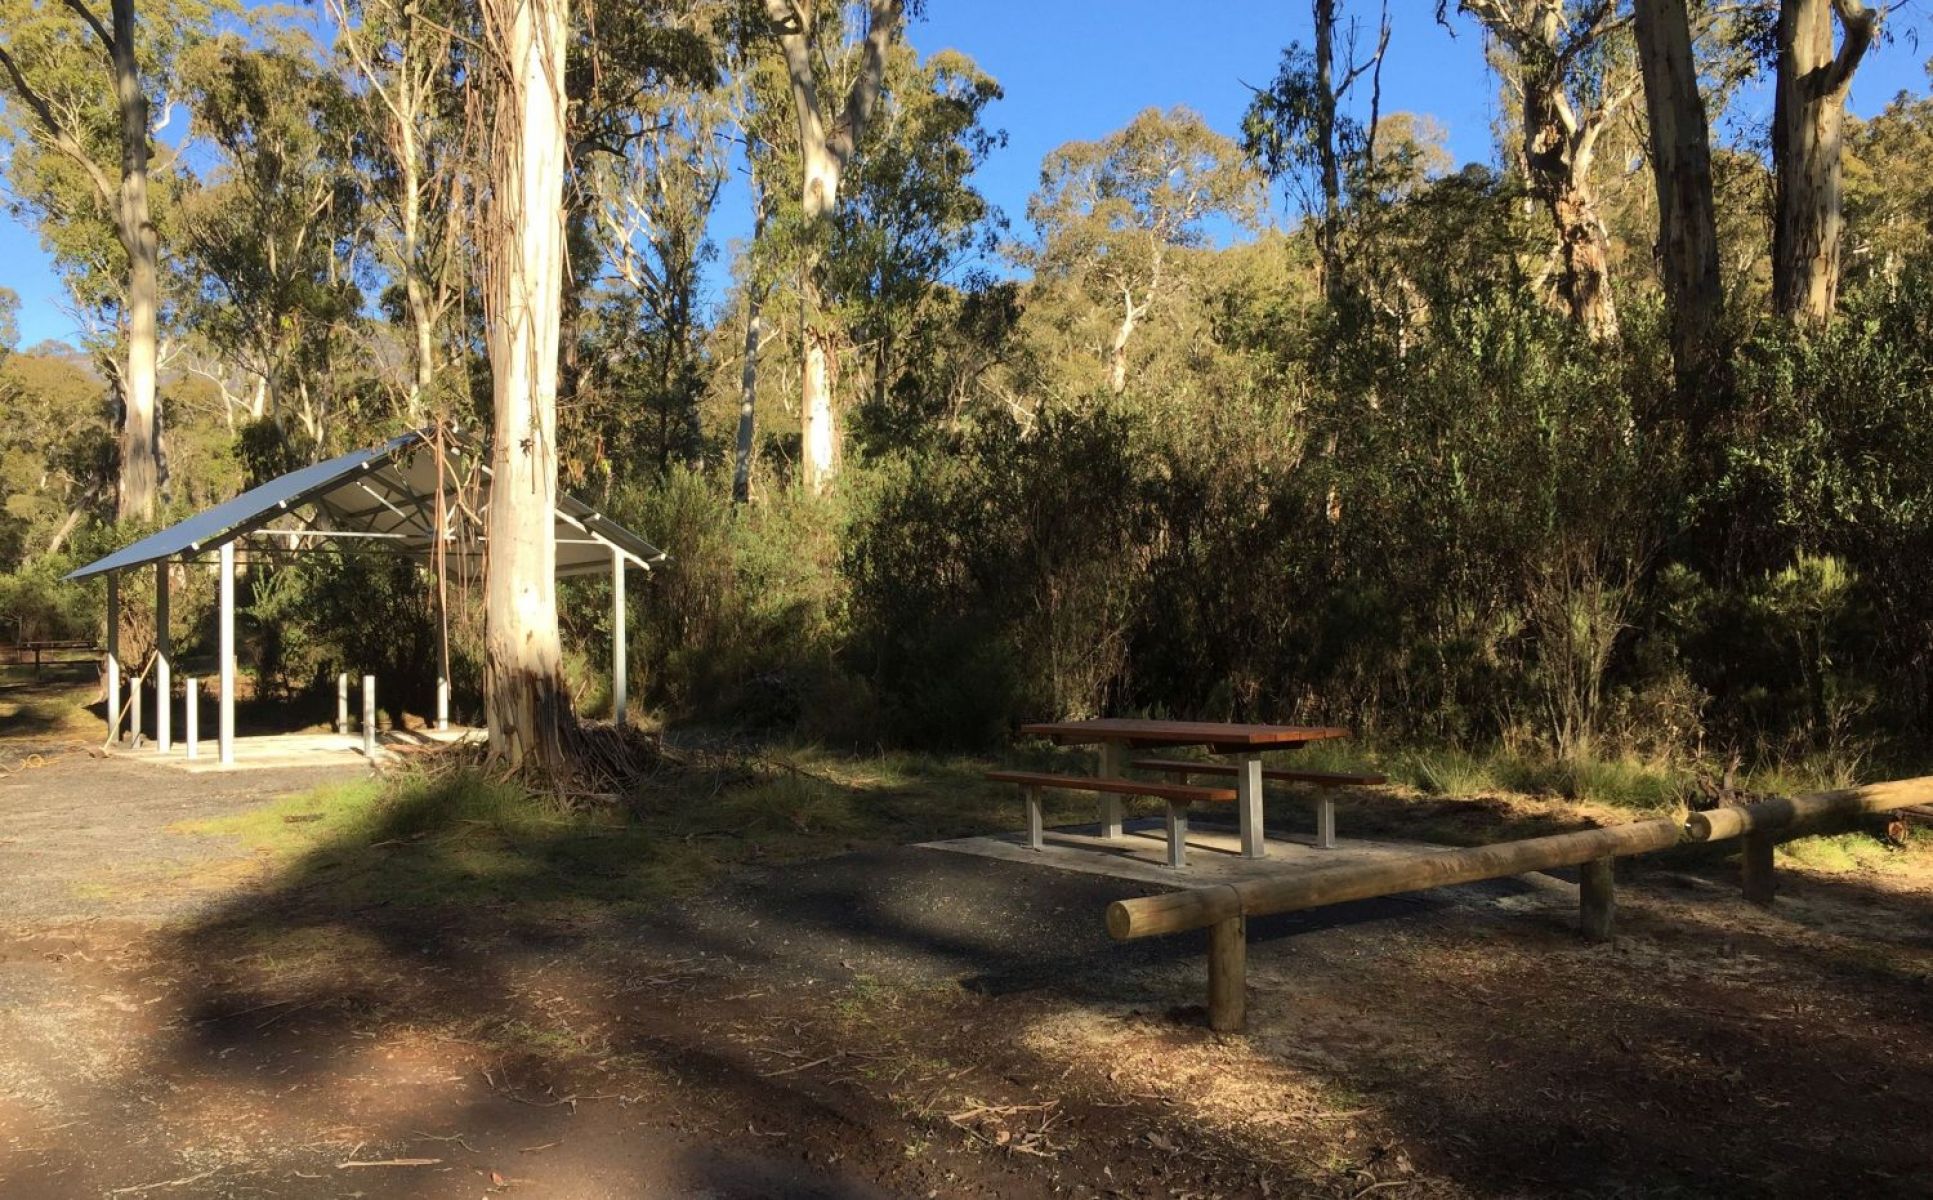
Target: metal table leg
[
  {"x": 1113, "y": 766},
  {"x": 1248, "y": 806}
]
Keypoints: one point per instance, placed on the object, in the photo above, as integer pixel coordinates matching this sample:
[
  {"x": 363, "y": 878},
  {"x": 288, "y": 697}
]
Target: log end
[{"x": 1120, "y": 923}]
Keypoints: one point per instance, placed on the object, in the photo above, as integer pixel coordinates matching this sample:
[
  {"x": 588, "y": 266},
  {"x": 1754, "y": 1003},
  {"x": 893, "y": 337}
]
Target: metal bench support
[
  {"x": 1325, "y": 820},
  {"x": 1177, "y": 834}
]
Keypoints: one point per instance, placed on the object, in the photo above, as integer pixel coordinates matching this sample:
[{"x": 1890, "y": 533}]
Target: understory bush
[{"x": 1496, "y": 533}]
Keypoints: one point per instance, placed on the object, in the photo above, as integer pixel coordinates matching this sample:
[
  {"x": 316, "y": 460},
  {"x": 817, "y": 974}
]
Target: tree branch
[
  {"x": 882, "y": 16},
  {"x": 100, "y": 30},
  {"x": 62, "y": 139},
  {"x": 1861, "y": 25}
]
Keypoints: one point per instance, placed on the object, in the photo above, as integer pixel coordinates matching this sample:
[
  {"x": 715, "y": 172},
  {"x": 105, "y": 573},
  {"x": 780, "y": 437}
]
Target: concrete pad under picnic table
[{"x": 1141, "y": 853}]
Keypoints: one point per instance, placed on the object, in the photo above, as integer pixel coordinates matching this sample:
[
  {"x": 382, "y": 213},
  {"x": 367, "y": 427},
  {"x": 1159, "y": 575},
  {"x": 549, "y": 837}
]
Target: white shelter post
[
  {"x": 227, "y": 734},
  {"x": 163, "y": 664},
  {"x": 113, "y": 657},
  {"x": 620, "y": 673},
  {"x": 134, "y": 710},
  {"x": 369, "y": 717},
  {"x": 342, "y": 702},
  {"x": 442, "y": 671},
  {"x": 191, "y": 709}
]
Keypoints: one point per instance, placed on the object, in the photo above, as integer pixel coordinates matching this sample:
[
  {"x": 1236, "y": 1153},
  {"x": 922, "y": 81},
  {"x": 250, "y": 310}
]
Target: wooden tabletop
[{"x": 1183, "y": 733}]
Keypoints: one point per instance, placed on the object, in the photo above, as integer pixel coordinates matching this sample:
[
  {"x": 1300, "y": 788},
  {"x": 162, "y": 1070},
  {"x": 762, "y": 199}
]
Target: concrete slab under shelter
[{"x": 284, "y": 750}]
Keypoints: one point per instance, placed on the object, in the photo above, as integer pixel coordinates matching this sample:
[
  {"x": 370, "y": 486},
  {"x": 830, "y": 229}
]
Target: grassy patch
[
  {"x": 46, "y": 710},
  {"x": 1845, "y": 853},
  {"x": 466, "y": 838}
]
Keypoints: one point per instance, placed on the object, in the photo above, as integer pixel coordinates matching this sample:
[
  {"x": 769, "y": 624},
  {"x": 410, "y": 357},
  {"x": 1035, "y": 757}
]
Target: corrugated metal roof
[{"x": 384, "y": 492}]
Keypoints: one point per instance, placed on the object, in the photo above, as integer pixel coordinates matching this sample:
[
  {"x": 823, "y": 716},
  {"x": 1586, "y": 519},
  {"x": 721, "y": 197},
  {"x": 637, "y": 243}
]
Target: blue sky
[{"x": 1077, "y": 69}]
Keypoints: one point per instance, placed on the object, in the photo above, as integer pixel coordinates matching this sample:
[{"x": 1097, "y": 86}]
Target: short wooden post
[
  {"x": 1759, "y": 880},
  {"x": 1325, "y": 820},
  {"x": 1177, "y": 835},
  {"x": 369, "y": 717},
  {"x": 1228, "y": 974},
  {"x": 342, "y": 702},
  {"x": 1596, "y": 899},
  {"x": 1036, "y": 831},
  {"x": 191, "y": 698}
]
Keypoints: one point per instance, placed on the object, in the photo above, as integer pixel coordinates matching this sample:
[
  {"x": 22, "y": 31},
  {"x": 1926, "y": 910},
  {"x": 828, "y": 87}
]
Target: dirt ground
[{"x": 179, "y": 1017}]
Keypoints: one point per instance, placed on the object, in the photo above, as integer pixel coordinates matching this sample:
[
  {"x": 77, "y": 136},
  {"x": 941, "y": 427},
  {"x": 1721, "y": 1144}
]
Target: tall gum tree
[
  {"x": 47, "y": 73},
  {"x": 1113, "y": 215},
  {"x": 1297, "y": 122},
  {"x": 1808, "y": 136},
  {"x": 1681, "y": 165},
  {"x": 403, "y": 52},
  {"x": 826, "y": 146},
  {"x": 526, "y": 706},
  {"x": 1569, "y": 89}
]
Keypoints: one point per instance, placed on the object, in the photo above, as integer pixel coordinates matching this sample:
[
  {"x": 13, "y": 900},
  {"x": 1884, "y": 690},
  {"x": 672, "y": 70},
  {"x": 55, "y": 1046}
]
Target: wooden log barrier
[
  {"x": 1173, "y": 912},
  {"x": 1765, "y": 822},
  {"x": 1787, "y": 814}
]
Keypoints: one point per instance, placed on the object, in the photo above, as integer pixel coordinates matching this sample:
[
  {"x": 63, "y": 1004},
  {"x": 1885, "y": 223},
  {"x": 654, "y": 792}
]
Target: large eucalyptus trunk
[
  {"x": 140, "y": 478},
  {"x": 1117, "y": 347},
  {"x": 1682, "y": 170},
  {"x": 825, "y": 150},
  {"x": 421, "y": 321},
  {"x": 1557, "y": 166},
  {"x": 1808, "y": 128},
  {"x": 525, "y": 703}
]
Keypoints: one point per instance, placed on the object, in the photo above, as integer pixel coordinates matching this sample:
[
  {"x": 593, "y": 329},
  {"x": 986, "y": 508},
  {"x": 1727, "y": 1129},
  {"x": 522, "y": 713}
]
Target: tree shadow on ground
[{"x": 613, "y": 972}]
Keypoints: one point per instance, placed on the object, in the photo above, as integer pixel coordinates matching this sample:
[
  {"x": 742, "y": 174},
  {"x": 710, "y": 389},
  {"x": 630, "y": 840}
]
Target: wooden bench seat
[
  {"x": 1177, "y": 796},
  {"x": 1325, "y": 806}
]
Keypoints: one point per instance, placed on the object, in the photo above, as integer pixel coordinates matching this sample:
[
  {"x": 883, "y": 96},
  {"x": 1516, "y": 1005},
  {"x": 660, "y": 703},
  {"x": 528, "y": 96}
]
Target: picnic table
[
  {"x": 22, "y": 649},
  {"x": 1116, "y": 736}
]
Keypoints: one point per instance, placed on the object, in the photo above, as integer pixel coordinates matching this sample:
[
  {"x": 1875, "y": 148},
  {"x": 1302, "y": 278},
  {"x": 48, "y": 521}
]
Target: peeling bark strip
[
  {"x": 525, "y": 703},
  {"x": 1682, "y": 171},
  {"x": 825, "y": 151},
  {"x": 1808, "y": 129}
]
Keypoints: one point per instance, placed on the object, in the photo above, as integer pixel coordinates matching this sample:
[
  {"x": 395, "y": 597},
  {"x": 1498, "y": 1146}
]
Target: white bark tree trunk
[
  {"x": 824, "y": 152},
  {"x": 525, "y": 702},
  {"x": 1808, "y": 128},
  {"x": 140, "y": 481},
  {"x": 1682, "y": 171}
]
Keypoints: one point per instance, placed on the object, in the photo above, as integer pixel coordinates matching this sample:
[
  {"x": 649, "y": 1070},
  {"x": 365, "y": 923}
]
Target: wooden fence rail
[{"x": 1224, "y": 909}]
